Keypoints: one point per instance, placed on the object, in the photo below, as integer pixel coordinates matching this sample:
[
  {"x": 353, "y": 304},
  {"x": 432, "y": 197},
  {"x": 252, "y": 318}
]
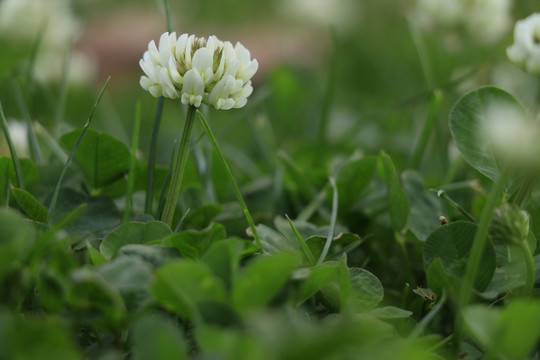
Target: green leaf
[
  {"x": 353, "y": 179},
  {"x": 510, "y": 276},
  {"x": 91, "y": 293},
  {"x": 510, "y": 333},
  {"x": 49, "y": 337},
  {"x": 193, "y": 243},
  {"x": 319, "y": 276},
  {"x": 451, "y": 244},
  {"x": 127, "y": 274},
  {"x": 467, "y": 127},
  {"x": 132, "y": 233},
  {"x": 155, "y": 255},
  {"x": 425, "y": 207},
  {"x": 103, "y": 159},
  {"x": 95, "y": 256},
  {"x": 29, "y": 170},
  {"x": 356, "y": 288},
  {"x": 17, "y": 239},
  {"x": 223, "y": 258},
  {"x": 398, "y": 204},
  {"x": 390, "y": 312},
  {"x": 181, "y": 284},
  {"x": 262, "y": 279},
  {"x": 99, "y": 216},
  {"x": 29, "y": 205},
  {"x": 157, "y": 337}
]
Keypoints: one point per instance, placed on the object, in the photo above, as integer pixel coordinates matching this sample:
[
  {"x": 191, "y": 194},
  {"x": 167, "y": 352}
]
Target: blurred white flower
[
  {"x": 196, "y": 70},
  {"x": 54, "y": 23},
  {"x": 327, "y": 12},
  {"x": 19, "y": 135},
  {"x": 525, "y": 52},
  {"x": 486, "y": 20},
  {"x": 24, "y": 19},
  {"x": 512, "y": 135}
]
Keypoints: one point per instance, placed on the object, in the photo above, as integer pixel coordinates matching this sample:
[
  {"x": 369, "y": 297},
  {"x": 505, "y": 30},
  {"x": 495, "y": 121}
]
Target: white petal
[{"x": 193, "y": 88}]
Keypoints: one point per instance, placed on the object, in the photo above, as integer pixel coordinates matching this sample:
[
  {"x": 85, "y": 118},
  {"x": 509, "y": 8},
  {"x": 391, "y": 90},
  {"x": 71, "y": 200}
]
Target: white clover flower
[
  {"x": 197, "y": 70},
  {"x": 525, "y": 51},
  {"x": 486, "y": 20}
]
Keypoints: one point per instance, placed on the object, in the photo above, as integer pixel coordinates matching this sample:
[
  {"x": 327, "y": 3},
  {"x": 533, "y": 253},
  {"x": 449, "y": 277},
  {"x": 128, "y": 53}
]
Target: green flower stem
[
  {"x": 179, "y": 164},
  {"x": 231, "y": 178},
  {"x": 529, "y": 266},
  {"x": 475, "y": 256},
  {"x": 152, "y": 158}
]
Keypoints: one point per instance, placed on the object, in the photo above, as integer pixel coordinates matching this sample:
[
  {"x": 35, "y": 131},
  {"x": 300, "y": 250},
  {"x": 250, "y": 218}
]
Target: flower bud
[{"x": 509, "y": 225}]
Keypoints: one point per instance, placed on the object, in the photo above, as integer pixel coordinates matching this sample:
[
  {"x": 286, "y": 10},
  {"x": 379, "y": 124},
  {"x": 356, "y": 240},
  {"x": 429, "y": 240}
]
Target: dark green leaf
[
  {"x": 353, "y": 179},
  {"x": 192, "y": 243},
  {"x": 180, "y": 285},
  {"x": 262, "y": 279},
  {"x": 157, "y": 337},
  {"x": 29, "y": 205},
  {"x": 103, "y": 159},
  {"x": 451, "y": 244},
  {"x": 132, "y": 233},
  {"x": 467, "y": 127},
  {"x": 425, "y": 207}
]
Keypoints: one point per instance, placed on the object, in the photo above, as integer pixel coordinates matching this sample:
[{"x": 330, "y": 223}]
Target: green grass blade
[
  {"x": 63, "y": 173},
  {"x": 179, "y": 225},
  {"x": 305, "y": 248},
  {"x": 14, "y": 158},
  {"x": 33, "y": 143},
  {"x": 239, "y": 197},
  {"x": 133, "y": 162},
  {"x": 332, "y": 222}
]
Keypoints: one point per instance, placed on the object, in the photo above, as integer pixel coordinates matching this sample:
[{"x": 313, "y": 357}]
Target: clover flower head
[
  {"x": 198, "y": 70},
  {"x": 525, "y": 51}
]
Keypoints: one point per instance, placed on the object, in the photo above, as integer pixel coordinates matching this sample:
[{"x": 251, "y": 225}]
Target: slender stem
[
  {"x": 529, "y": 266},
  {"x": 305, "y": 247},
  {"x": 14, "y": 158},
  {"x": 475, "y": 255},
  {"x": 81, "y": 136},
  {"x": 426, "y": 130},
  {"x": 152, "y": 158},
  {"x": 133, "y": 162},
  {"x": 179, "y": 165},
  {"x": 417, "y": 331},
  {"x": 231, "y": 178},
  {"x": 332, "y": 222}
]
